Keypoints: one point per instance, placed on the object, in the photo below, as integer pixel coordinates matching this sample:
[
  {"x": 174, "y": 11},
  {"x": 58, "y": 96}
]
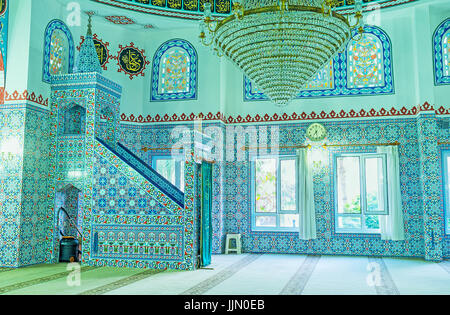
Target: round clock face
[{"x": 316, "y": 132}]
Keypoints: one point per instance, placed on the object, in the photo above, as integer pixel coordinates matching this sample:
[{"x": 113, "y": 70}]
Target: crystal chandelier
[{"x": 279, "y": 44}]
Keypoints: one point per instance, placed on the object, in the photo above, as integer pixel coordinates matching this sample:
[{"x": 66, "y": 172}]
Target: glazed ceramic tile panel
[
  {"x": 173, "y": 226},
  {"x": 116, "y": 194},
  {"x": 24, "y": 171},
  {"x": 120, "y": 206},
  {"x": 159, "y": 136},
  {"x": 34, "y": 216},
  {"x": 12, "y": 125},
  {"x": 431, "y": 185}
]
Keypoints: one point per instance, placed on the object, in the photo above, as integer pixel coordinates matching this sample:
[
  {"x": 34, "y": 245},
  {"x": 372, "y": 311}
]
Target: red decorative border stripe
[
  {"x": 285, "y": 117},
  {"x": 25, "y": 96},
  {"x": 426, "y": 107}
]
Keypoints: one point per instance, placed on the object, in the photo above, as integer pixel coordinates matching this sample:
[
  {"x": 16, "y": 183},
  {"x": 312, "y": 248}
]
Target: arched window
[
  {"x": 441, "y": 52},
  {"x": 58, "y": 53},
  {"x": 174, "y": 75},
  {"x": 367, "y": 64},
  {"x": 59, "y": 50}
]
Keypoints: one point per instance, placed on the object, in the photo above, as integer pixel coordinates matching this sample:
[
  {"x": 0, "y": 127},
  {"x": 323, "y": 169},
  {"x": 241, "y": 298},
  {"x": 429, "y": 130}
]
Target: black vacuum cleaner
[{"x": 69, "y": 246}]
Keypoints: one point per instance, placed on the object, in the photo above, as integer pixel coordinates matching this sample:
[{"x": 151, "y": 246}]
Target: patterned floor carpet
[{"x": 240, "y": 275}]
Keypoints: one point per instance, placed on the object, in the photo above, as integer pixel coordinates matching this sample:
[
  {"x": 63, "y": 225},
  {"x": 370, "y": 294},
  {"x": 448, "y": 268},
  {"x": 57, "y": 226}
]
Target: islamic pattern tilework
[
  {"x": 59, "y": 50},
  {"x": 138, "y": 242},
  {"x": 70, "y": 161},
  {"x": 431, "y": 186},
  {"x": 174, "y": 75},
  {"x": 34, "y": 220},
  {"x": 23, "y": 183},
  {"x": 178, "y": 222},
  {"x": 160, "y": 136},
  {"x": 74, "y": 120},
  {"x": 441, "y": 53},
  {"x": 364, "y": 69},
  {"x": 101, "y": 48},
  {"x": 114, "y": 193},
  {"x": 70, "y": 154},
  {"x": 12, "y": 122},
  {"x": 88, "y": 58},
  {"x": 108, "y": 111},
  {"x": 182, "y": 257},
  {"x": 238, "y": 203},
  {"x": 155, "y": 178}
]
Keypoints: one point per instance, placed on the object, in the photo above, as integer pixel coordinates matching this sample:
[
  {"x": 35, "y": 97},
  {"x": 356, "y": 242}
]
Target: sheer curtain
[
  {"x": 305, "y": 196},
  {"x": 392, "y": 226}
]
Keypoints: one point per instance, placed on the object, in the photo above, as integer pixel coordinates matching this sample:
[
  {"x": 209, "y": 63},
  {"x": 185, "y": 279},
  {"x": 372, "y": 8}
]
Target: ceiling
[
  {"x": 148, "y": 15},
  {"x": 131, "y": 19},
  {"x": 192, "y": 9}
]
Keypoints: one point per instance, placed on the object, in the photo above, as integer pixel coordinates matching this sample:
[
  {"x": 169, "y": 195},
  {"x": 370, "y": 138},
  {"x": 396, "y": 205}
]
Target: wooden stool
[{"x": 237, "y": 248}]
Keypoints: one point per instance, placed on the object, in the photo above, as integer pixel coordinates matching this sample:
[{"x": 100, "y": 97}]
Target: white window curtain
[
  {"x": 392, "y": 226},
  {"x": 305, "y": 196}
]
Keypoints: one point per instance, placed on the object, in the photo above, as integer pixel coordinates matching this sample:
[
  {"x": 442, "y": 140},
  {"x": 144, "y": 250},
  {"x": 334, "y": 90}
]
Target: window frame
[
  {"x": 446, "y": 191},
  {"x": 363, "y": 193},
  {"x": 179, "y": 169},
  {"x": 279, "y": 211}
]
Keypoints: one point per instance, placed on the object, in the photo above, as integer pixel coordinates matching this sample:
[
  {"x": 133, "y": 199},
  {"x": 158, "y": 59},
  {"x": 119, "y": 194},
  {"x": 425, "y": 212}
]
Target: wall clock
[{"x": 316, "y": 132}]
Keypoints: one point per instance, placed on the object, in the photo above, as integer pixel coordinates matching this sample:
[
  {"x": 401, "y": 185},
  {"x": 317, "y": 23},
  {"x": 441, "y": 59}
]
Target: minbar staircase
[{"x": 129, "y": 158}]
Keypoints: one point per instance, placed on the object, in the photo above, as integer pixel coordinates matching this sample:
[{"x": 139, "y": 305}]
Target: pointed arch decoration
[
  {"x": 366, "y": 66},
  {"x": 59, "y": 50},
  {"x": 441, "y": 53},
  {"x": 174, "y": 72}
]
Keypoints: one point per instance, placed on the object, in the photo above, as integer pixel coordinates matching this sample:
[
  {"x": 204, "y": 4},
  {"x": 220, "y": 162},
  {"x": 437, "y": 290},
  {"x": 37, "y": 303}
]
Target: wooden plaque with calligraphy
[{"x": 131, "y": 60}]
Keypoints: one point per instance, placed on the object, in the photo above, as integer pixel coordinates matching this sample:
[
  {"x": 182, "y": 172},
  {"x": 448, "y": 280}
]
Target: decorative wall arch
[
  {"x": 174, "y": 72},
  {"x": 66, "y": 55},
  {"x": 441, "y": 53},
  {"x": 381, "y": 50},
  {"x": 74, "y": 120}
]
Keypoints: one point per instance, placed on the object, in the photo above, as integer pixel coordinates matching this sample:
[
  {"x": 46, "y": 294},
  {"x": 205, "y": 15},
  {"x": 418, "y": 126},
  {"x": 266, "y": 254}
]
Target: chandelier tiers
[{"x": 279, "y": 44}]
